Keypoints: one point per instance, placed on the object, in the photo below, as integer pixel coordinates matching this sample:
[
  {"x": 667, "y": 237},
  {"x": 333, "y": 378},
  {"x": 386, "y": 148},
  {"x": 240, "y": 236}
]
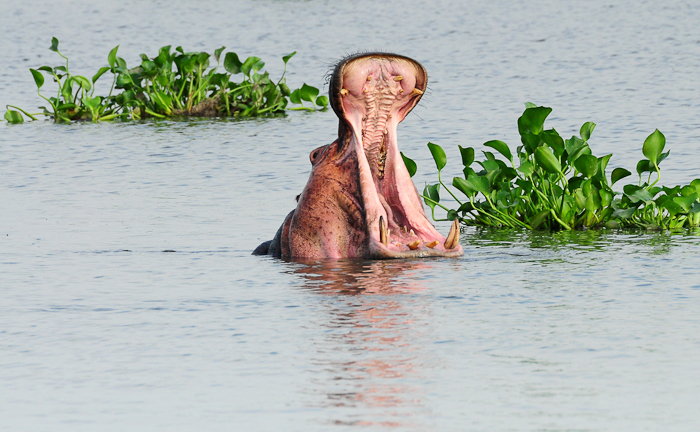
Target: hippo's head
[{"x": 360, "y": 200}]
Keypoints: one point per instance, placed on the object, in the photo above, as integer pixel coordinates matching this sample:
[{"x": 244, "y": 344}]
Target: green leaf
[
  {"x": 322, "y": 101},
  {"x": 217, "y": 53},
  {"x": 533, "y": 119},
  {"x": 602, "y": 165},
  {"x": 696, "y": 184},
  {"x": 308, "y": 93},
  {"x": 551, "y": 138},
  {"x": 618, "y": 174},
  {"x": 685, "y": 202},
  {"x": 248, "y": 64},
  {"x": 499, "y": 146},
  {"x": 463, "y": 186},
  {"x": 38, "y": 77},
  {"x": 689, "y": 190},
  {"x": 530, "y": 142},
  {"x": 546, "y": 159},
  {"x": 99, "y": 73},
  {"x": 587, "y": 165},
  {"x": 644, "y": 165},
  {"x": 539, "y": 219},
  {"x": 286, "y": 58},
  {"x": 54, "y": 45},
  {"x": 433, "y": 192},
  {"x": 467, "y": 155},
  {"x": 13, "y": 116},
  {"x": 637, "y": 193},
  {"x": 662, "y": 156},
  {"x": 83, "y": 82},
  {"x": 696, "y": 208},
  {"x": 410, "y": 165},
  {"x": 606, "y": 197},
  {"x": 479, "y": 183},
  {"x": 624, "y": 213},
  {"x": 673, "y": 207},
  {"x": 232, "y": 64},
  {"x": 526, "y": 168},
  {"x": 593, "y": 199},
  {"x": 203, "y": 59},
  {"x": 295, "y": 97},
  {"x": 586, "y": 130},
  {"x": 284, "y": 88},
  {"x": 653, "y": 146},
  {"x": 92, "y": 103},
  {"x": 438, "y": 155}
]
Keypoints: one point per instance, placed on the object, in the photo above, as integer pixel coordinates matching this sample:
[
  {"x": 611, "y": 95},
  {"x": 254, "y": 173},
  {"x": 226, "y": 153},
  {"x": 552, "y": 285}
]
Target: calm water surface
[{"x": 101, "y": 329}]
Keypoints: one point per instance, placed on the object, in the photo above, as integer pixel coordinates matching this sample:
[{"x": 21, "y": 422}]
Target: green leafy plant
[
  {"x": 559, "y": 184},
  {"x": 175, "y": 83}
]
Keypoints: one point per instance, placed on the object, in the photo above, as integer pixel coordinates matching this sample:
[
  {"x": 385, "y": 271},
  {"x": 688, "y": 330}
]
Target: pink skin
[{"x": 360, "y": 178}]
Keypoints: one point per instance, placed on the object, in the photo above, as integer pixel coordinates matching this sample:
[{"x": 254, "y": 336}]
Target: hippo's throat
[{"x": 377, "y": 93}]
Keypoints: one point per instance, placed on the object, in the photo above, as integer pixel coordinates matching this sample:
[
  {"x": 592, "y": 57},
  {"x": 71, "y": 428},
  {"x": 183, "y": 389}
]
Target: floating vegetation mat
[
  {"x": 559, "y": 184},
  {"x": 175, "y": 83}
]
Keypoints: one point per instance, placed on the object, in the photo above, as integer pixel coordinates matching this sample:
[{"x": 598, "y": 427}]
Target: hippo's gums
[{"x": 360, "y": 201}]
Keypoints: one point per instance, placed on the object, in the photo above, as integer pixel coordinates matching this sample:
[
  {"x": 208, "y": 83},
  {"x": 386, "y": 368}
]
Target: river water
[{"x": 129, "y": 299}]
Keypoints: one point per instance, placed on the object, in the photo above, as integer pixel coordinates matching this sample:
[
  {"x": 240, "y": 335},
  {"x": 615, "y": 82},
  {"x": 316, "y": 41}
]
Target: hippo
[{"x": 360, "y": 201}]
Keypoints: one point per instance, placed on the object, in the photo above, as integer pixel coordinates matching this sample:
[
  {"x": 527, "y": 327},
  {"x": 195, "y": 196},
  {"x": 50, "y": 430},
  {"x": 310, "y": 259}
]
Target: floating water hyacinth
[
  {"x": 175, "y": 83},
  {"x": 560, "y": 185}
]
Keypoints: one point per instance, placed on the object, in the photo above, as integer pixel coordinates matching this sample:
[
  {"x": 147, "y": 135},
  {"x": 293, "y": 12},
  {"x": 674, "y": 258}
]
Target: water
[{"x": 100, "y": 329}]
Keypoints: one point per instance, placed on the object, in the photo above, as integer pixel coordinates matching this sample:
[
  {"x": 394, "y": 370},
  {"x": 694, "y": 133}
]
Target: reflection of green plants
[
  {"x": 170, "y": 84},
  {"x": 560, "y": 185}
]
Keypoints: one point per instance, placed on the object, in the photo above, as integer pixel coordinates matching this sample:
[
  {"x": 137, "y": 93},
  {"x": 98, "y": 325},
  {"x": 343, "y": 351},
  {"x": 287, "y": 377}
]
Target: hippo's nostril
[{"x": 314, "y": 155}]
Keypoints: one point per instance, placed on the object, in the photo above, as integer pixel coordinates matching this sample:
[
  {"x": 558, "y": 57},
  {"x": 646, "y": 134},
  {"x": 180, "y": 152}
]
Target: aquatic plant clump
[
  {"x": 175, "y": 83},
  {"x": 560, "y": 185}
]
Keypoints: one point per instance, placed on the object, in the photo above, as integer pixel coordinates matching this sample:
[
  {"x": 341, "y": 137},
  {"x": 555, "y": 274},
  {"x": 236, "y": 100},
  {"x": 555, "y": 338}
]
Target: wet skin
[{"x": 360, "y": 201}]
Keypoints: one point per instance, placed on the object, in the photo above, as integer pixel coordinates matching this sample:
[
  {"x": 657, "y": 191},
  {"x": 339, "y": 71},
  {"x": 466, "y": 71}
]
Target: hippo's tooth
[
  {"x": 412, "y": 233},
  {"x": 398, "y": 78},
  {"x": 383, "y": 236},
  {"x": 416, "y": 92},
  {"x": 344, "y": 92},
  {"x": 432, "y": 244},
  {"x": 414, "y": 245},
  {"x": 369, "y": 77},
  {"x": 453, "y": 236}
]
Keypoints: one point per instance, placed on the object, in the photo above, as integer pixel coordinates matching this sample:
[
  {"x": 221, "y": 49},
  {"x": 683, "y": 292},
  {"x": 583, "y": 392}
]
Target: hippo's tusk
[
  {"x": 383, "y": 234},
  {"x": 344, "y": 92},
  {"x": 412, "y": 233},
  {"x": 432, "y": 244},
  {"x": 398, "y": 78},
  {"x": 414, "y": 245},
  {"x": 453, "y": 236},
  {"x": 416, "y": 92}
]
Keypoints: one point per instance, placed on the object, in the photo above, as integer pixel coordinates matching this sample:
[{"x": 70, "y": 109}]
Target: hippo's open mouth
[{"x": 372, "y": 94}]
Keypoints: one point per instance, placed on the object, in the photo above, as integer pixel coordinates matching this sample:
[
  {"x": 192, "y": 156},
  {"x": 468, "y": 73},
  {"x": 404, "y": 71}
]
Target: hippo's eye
[{"x": 314, "y": 155}]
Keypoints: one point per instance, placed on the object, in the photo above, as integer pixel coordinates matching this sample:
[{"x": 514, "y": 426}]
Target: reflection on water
[
  {"x": 368, "y": 358},
  {"x": 629, "y": 241}
]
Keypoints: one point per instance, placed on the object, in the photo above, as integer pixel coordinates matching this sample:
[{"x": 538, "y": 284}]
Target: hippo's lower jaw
[{"x": 360, "y": 201}]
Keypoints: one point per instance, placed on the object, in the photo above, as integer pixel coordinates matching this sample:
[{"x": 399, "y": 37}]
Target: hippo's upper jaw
[{"x": 360, "y": 200}]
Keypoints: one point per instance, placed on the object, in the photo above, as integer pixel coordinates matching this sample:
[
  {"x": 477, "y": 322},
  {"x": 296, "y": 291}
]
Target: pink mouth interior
[{"x": 377, "y": 94}]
